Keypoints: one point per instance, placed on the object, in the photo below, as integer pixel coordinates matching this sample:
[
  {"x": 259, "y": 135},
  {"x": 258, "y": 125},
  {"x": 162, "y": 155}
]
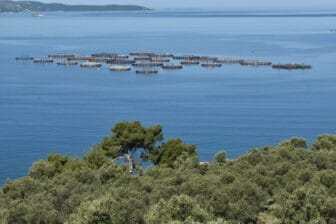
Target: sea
[{"x": 67, "y": 110}]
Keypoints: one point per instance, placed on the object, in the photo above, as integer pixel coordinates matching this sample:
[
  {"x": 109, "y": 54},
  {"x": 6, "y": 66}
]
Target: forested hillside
[{"x": 287, "y": 183}]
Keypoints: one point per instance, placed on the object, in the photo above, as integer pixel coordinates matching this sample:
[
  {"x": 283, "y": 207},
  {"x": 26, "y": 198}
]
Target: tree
[
  {"x": 130, "y": 138},
  {"x": 220, "y": 157},
  {"x": 171, "y": 150}
]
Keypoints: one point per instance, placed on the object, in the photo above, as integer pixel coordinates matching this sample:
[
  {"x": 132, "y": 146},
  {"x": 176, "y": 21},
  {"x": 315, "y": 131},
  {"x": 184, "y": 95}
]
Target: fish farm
[{"x": 151, "y": 62}]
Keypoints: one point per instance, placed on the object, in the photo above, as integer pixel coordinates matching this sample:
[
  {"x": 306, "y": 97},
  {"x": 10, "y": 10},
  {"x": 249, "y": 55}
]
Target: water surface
[{"x": 47, "y": 109}]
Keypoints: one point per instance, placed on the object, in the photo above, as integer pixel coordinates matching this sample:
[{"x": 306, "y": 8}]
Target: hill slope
[{"x": 32, "y": 6}]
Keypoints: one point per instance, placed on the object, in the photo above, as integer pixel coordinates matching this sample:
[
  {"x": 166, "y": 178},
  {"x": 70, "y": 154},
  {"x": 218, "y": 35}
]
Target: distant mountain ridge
[{"x": 34, "y": 6}]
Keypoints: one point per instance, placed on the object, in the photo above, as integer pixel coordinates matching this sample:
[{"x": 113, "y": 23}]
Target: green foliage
[
  {"x": 130, "y": 137},
  {"x": 281, "y": 184},
  {"x": 294, "y": 142},
  {"x": 220, "y": 157},
  {"x": 172, "y": 150},
  {"x": 325, "y": 142},
  {"x": 179, "y": 208}
]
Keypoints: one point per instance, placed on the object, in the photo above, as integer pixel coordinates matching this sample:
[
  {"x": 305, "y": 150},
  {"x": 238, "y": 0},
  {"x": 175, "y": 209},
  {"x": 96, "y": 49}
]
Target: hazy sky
[{"x": 216, "y": 4}]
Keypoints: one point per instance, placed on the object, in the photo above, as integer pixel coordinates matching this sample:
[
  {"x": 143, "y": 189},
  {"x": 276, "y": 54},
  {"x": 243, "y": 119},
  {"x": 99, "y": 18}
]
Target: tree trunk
[{"x": 130, "y": 163}]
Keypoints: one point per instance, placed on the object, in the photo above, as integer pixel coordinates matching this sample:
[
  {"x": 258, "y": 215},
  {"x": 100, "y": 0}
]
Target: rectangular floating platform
[{"x": 291, "y": 66}]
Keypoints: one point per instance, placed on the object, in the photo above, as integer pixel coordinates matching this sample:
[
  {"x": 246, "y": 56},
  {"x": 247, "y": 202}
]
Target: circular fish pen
[
  {"x": 67, "y": 63},
  {"x": 207, "y": 58},
  {"x": 149, "y": 54},
  {"x": 60, "y": 55},
  {"x": 172, "y": 67},
  {"x": 154, "y": 60},
  {"x": 104, "y": 54},
  {"x": 91, "y": 64},
  {"x": 120, "y": 68},
  {"x": 43, "y": 60},
  {"x": 120, "y": 61},
  {"x": 24, "y": 58},
  {"x": 163, "y": 55},
  {"x": 145, "y": 58},
  {"x": 191, "y": 62},
  {"x": 211, "y": 65},
  {"x": 291, "y": 66},
  {"x": 187, "y": 57},
  {"x": 147, "y": 72},
  {"x": 148, "y": 64},
  {"x": 255, "y": 63},
  {"x": 229, "y": 61}
]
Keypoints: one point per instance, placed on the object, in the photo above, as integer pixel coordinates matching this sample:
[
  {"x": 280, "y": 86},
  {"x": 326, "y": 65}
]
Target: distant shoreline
[{"x": 8, "y": 6}]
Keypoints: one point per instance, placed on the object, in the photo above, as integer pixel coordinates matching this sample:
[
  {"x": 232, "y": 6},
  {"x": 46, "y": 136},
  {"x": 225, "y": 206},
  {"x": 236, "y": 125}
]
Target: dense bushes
[{"x": 284, "y": 184}]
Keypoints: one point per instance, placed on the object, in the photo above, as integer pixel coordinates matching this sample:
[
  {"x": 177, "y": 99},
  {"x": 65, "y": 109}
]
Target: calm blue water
[{"x": 47, "y": 109}]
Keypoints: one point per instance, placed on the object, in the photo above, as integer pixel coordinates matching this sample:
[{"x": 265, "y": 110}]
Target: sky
[{"x": 216, "y": 4}]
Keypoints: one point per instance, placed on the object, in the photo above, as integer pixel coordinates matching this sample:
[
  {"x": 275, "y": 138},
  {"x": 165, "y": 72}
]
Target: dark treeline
[{"x": 287, "y": 183}]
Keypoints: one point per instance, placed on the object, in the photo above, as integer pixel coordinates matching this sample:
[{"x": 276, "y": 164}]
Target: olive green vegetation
[{"x": 287, "y": 183}]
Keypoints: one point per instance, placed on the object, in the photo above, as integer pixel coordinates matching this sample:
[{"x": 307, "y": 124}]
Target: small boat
[
  {"x": 120, "y": 68},
  {"x": 147, "y": 72},
  {"x": 67, "y": 63},
  {"x": 43, "y": 60},
  {"x": 37, "y": 14},
  {"x": 291, "y": 66},
  {"x": 91, "y": 64},
  {"x": 172, "y": 67}
]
